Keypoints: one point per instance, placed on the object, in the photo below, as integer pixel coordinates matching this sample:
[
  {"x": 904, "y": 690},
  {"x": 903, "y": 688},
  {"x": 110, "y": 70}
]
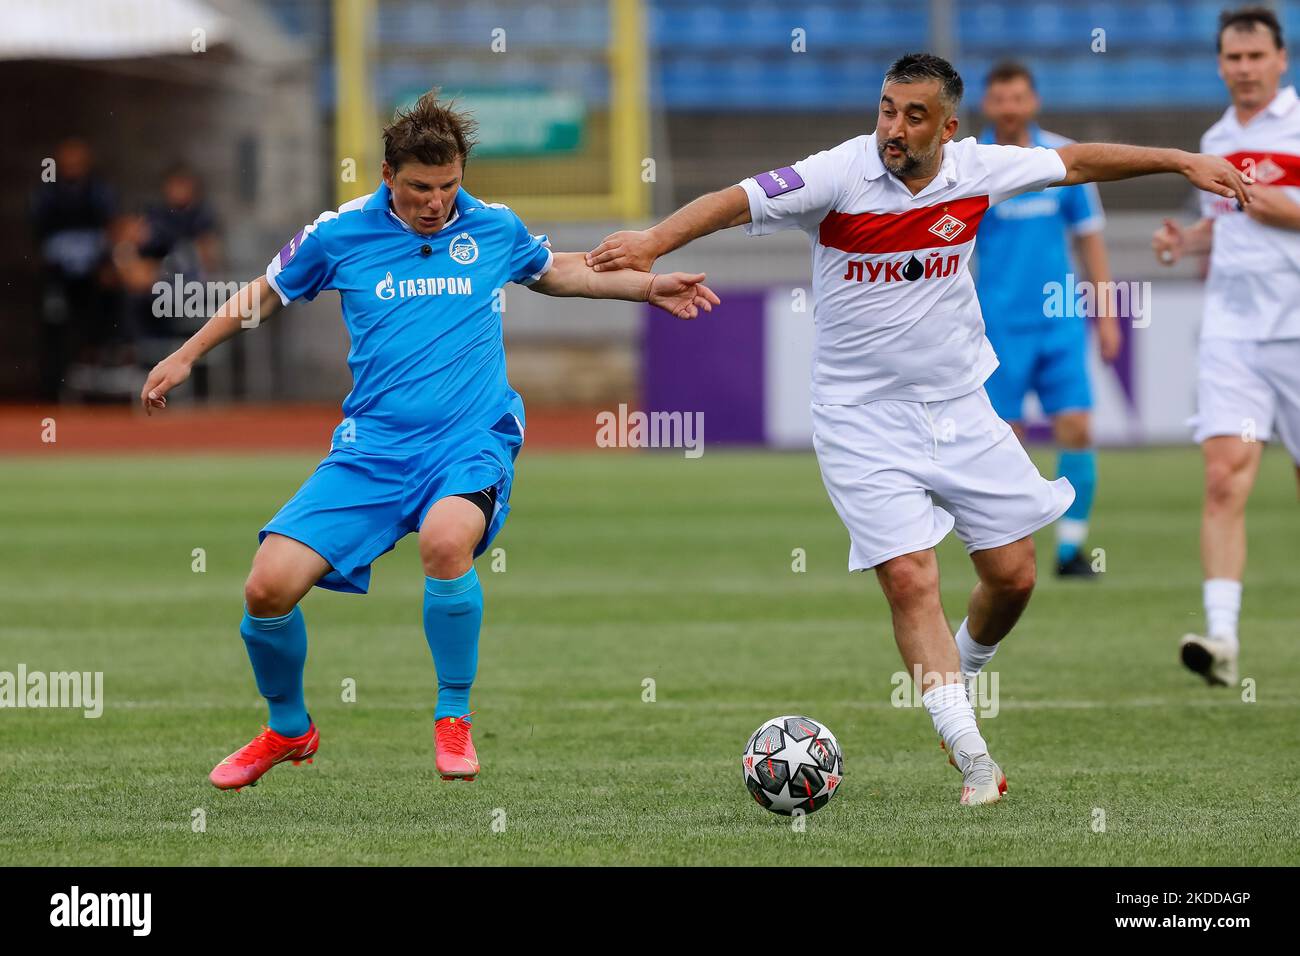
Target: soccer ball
[{"x": 792, "y": 763}]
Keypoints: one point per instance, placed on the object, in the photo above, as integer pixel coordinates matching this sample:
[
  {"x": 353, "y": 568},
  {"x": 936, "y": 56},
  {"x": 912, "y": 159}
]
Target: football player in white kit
[
  {"x": 1248, "y": 381},
  {"x": 907, "y": 441}
]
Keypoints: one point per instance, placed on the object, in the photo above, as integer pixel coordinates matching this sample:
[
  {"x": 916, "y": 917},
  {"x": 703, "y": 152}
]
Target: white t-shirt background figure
[{"x": 908, "y": 444}]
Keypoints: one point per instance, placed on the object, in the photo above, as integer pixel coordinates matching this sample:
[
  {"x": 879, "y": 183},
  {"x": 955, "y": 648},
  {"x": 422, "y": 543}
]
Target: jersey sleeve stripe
[
  {"x": 1089, "y": 226},
  {"x": 542, "y": 269}
]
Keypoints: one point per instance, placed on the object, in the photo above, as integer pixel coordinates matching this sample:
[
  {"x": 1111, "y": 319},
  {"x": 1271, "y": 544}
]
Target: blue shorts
[
  {"x": 1051, "y": 362},
  {"x": 358, "y": 504}
]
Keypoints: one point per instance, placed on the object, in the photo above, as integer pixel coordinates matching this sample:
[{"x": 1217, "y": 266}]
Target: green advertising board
[{"x": 519, "y": 122}]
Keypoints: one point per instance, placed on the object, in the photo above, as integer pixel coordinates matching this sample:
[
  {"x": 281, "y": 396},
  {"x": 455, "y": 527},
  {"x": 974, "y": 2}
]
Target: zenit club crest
[{"x": 463, "y": 249}]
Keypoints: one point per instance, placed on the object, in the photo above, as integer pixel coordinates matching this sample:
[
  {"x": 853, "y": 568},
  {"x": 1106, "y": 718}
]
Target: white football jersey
[
  {"x": 1253, "y": 288},
  {"x": 895, "y": 307}
]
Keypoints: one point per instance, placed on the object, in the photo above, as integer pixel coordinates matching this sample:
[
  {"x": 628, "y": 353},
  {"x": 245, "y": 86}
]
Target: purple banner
[{"x": 713, "y": 364}]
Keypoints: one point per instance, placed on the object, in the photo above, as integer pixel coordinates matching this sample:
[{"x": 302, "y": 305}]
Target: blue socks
[
  {"x": 277, "y": 648},
  {"x": 1080, "y": 467},
  {"x": 453, "y": 613}
]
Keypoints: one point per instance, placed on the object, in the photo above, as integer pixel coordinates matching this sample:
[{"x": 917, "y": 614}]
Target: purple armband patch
[
  {"x": 291, "y": 248},
  {"x": 779, "y": 181}
]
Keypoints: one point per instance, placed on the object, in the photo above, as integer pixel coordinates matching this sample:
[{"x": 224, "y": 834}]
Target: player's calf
[{"x": 1007, "y": 577}]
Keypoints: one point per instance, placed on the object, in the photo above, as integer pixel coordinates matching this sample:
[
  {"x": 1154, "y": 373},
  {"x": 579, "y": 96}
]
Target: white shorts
[
  {"x": 904, "y": 474},
  {"x": 1249, "y": 389}
]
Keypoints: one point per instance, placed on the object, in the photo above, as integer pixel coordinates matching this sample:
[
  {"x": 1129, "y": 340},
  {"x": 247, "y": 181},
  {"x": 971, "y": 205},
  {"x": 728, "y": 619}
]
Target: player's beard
[{"x": 912, "y": 163}]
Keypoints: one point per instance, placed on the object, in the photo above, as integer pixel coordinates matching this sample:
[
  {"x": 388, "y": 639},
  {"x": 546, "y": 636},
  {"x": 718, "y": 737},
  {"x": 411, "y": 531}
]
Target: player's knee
[
  {"x": 909, "y": 582},
  {"x": 1073, "y": 431},
  {"x": 1225, "y": 484},
  {"x": 1016, "y": 583},
  {"x": 267, "y": 597},
  {"x": 445, "y": 554}
]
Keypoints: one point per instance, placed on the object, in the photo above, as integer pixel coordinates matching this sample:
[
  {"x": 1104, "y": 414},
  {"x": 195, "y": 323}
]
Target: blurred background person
[
  {"x": 1023, "y": 247},
  {"x": 70, "y": 217}
]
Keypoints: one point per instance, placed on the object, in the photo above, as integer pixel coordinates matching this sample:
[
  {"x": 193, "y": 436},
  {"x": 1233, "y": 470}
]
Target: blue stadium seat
[
  {"x": 855, "y": 84},
  {"x": 702, "y": 25},
  {"x": 893, "y": 28},
  {"x": 1046, "y": 26},
  {"x": 1156, "y": 52},
  {"x": 984, "y": 26},
  {"x": 690, "y": 82},
  {"x": 762, "y": 26}
]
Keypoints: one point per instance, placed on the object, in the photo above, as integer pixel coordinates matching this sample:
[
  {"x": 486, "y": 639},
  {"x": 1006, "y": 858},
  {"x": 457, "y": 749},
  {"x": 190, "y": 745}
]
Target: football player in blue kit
[
  {"x": 1022, "y": 247},
  {"x": 430, "y": 430}
]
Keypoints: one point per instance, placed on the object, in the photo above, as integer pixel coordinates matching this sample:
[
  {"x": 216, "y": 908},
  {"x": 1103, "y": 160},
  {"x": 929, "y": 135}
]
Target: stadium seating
[{"x": 729, "y": 55}]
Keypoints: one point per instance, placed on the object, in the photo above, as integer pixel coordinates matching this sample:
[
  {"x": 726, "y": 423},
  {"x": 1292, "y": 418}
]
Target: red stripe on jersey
[
  {"x": 1270, "y": 169},
  {"x": 944, "y": 224}
]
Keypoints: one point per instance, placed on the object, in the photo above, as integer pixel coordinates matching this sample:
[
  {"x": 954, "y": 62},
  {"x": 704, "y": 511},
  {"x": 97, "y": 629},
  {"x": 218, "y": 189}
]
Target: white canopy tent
[{"x": 107, "y": 29}]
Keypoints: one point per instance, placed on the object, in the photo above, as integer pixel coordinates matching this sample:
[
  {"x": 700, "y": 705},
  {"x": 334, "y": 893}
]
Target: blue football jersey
[
  {"x": 1023, "y": 246},
  {"x": 423, "y": 314}
]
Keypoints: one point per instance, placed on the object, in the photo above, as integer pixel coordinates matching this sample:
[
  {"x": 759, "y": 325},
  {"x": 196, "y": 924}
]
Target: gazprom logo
[
  {"x": 424, "y": 285},
  {"x": 463, "y": 249}
]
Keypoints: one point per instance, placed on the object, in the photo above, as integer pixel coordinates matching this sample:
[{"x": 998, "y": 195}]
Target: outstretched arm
[
  {"x": 680, "y": 294},
  {"x": 635, "y": 249},
  {"x": 243, "y": 310},
  {"x": 1103, "y": 162},
  {"x": 1171, "y": 241}
]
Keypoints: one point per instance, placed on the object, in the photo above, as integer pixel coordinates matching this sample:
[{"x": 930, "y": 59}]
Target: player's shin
[
  {"x": 1222, "y": 598},
  {"x": 1080, "y": 467},
  {"x": 277, "y": 649},
  {"x": 453, "y": 614},
  {"x": 973, "y": 654}
]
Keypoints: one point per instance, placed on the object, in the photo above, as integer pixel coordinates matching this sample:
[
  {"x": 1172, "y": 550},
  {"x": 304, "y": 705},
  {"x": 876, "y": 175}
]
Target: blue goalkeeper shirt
[{"x": 423, "y": 314}]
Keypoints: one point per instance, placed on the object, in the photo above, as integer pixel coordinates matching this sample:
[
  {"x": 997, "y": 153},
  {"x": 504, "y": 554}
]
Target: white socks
[
  {"x": 954, "y": 719},
  {"x": 1222, "y": 598},
  {"x": 973, "y": 656},
  {"x": 1071, "y": 531}
]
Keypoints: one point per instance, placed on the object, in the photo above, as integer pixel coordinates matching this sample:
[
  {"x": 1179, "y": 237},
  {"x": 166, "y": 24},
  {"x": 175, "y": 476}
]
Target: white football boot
[
  {"x": 1213, "y": 658},
  {"x": 982, "y": 781}
]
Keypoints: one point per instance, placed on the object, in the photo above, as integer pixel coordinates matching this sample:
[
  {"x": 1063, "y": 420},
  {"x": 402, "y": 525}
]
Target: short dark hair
[
  {"x": 1246, "y": 20},
  {"x": 1008, "y": 70},
  {"x": 430, "y": 132},
  {"x": 917, "y": 67}
]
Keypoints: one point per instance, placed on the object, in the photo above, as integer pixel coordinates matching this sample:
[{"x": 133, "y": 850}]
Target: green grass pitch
[{"x": 622, "y": 567}]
